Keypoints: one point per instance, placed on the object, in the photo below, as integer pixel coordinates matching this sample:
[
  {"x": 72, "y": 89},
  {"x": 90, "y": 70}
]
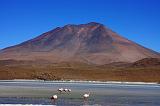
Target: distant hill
[
  {"x": 119, "y": 71},
  {"x": 90, "y": 43}
]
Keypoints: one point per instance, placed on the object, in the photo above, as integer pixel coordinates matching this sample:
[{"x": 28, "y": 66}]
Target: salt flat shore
[{"x": 82, "y": 81}]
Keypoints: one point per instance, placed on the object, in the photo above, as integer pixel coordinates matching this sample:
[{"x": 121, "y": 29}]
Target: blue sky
[{"x": 137, "y": 20}]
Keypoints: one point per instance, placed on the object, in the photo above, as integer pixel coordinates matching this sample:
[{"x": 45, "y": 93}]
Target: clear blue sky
[{"x": 137, "y": 20}]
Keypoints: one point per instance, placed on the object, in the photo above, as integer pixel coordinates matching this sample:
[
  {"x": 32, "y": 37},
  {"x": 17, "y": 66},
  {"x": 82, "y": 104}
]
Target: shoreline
[{"x": 83, "y": 81}]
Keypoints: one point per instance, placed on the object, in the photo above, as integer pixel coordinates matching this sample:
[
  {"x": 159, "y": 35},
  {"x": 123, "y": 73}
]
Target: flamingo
[
  {"x": 65, "y": 90},
  {"x": 60, "y": 90},
  {"x": 54, "y": 97},
  {"x": 69, "y": 90},
  {"x": 86, "y": 96}
]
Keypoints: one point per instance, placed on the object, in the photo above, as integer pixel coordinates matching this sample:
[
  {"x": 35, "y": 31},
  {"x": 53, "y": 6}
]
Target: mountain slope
[{"x": 91, "y": 43}]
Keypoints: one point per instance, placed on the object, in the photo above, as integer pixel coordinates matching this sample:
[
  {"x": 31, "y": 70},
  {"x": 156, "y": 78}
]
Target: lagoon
[{"x": 24, "y": 92}]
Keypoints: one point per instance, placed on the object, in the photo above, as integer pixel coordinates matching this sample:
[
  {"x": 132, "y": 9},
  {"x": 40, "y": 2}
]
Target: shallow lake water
[{"x": 101, "y": 94}]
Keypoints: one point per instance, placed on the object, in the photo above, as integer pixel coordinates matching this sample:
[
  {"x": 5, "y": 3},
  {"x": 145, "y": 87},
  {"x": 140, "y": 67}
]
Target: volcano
[{"x": 90, "y": 43}]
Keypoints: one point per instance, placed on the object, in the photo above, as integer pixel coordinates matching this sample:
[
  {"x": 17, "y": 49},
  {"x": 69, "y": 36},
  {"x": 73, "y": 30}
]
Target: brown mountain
[{"x": 91, "y": 43}]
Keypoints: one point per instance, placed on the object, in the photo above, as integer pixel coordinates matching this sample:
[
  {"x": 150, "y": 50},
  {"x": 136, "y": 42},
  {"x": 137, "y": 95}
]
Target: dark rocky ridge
[
  {"x": 147, "y": 62},
  {"x": 90, "y": 43}
]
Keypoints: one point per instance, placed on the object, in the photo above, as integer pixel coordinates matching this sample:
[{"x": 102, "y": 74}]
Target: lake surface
[{"x": 101, "y": 94}]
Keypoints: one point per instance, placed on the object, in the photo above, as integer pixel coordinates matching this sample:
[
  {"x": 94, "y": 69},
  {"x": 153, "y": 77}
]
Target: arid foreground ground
[{"x": 144, "y": 70}]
